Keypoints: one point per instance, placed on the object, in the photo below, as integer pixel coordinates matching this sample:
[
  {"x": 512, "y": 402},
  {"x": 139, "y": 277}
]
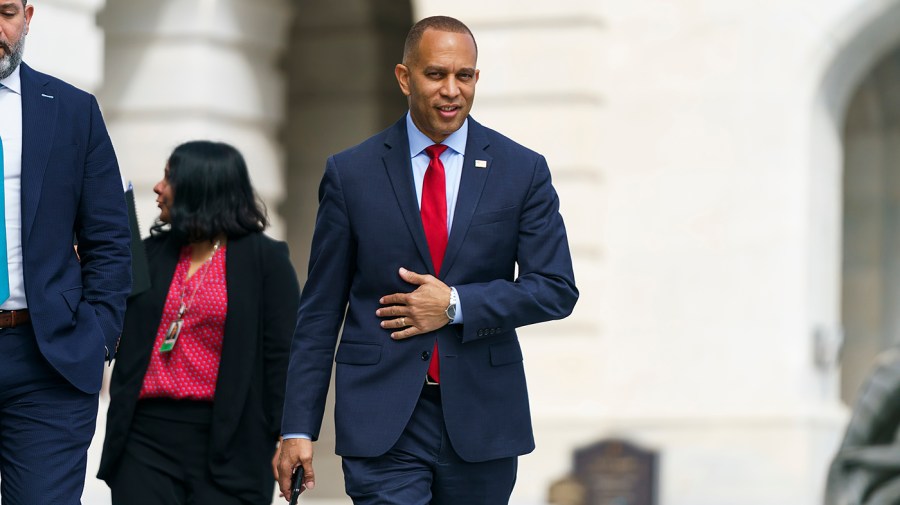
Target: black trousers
[{"x": 166, "y": 458}]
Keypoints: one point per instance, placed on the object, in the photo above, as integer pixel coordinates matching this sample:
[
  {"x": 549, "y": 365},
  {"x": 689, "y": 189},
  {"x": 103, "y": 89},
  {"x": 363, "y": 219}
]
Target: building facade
[{"x": 728, "y": 174}]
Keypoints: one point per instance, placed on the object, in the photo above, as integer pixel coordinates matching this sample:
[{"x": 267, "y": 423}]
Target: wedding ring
[{"x": 402, "y": 321}]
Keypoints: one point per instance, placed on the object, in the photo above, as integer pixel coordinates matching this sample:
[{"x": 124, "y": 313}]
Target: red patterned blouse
[{"x": 189, "y": 371}]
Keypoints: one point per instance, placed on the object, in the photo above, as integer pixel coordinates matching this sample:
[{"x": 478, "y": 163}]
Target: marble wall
[{"x": 698, "y": 149}]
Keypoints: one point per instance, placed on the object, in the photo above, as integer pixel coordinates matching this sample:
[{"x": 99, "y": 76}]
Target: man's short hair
[{"x": 440, "y": 23}]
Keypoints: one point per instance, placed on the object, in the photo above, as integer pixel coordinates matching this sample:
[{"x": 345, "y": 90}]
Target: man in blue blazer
[
  {"x": 60, "y": 314},
  {"x": 435, "y": 239}
]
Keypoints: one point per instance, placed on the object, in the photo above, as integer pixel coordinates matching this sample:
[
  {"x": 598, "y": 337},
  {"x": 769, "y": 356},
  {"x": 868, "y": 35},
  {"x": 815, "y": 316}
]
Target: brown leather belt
[{"x": 13, "y": 318}]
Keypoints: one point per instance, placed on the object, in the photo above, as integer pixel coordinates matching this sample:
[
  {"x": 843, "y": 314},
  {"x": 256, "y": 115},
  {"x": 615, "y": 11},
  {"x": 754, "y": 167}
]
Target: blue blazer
[
  {"x": 72, "y": 191},
  {"x": 368, "y": 226}
]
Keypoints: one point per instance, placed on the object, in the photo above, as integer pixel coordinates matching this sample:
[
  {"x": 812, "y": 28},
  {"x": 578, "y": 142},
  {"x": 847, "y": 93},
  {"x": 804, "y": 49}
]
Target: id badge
[{"x": 171, "y": 335}]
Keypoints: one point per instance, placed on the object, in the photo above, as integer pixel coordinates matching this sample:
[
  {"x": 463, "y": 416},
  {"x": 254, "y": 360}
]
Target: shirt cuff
[
  {"x": 287, "y": 436},
  {"x": 454, "y": 297}
]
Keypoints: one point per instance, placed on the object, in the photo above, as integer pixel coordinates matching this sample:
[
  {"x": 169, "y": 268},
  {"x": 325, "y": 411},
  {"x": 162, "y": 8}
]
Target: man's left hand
[{"x": 420, "y": 311}]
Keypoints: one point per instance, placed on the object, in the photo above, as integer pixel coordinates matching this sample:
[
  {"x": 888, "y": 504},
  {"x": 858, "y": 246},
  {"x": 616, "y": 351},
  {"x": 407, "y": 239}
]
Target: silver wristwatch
[{"x": 450, "y": 311}]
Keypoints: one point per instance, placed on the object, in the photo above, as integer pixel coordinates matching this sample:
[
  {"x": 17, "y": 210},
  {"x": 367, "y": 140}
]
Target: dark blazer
[
  {"x": 368, "y": 226},
  {"x": 71, "y": 182},
  {"x": 263, "y": 295}
]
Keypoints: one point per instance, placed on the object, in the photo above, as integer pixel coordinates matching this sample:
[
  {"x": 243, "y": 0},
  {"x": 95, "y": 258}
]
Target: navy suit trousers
[
  {"x": 423, "y": 468},
  {"x": 46, "y": 426}
]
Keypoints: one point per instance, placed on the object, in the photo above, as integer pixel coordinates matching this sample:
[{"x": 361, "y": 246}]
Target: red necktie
[{"x": 434, "y": 220}]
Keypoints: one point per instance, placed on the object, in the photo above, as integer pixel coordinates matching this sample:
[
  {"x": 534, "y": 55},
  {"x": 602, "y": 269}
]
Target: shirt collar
[
  {"x": 418, "y": 141},
  {"x": 14, "y": 81}
]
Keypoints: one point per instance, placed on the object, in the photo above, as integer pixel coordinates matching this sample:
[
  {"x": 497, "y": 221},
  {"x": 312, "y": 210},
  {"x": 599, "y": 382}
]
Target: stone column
[
  {"x": 65, "y": 41},
  {"x": 179, "y": 70},
  {"x": 341, "y": 90}
]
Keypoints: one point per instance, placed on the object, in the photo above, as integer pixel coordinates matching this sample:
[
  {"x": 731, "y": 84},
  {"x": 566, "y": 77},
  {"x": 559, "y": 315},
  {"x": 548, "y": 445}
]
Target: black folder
[{"x": 140, "y": 269}]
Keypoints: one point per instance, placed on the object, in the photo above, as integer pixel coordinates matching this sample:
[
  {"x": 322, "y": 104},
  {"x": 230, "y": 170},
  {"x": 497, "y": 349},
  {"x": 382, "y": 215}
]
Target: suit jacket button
[{"x": 425, "y": 355}]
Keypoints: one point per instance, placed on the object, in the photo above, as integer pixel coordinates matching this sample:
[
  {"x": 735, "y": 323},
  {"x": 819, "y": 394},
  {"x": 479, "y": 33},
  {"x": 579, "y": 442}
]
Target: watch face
[{"x": 451, "y": 312}]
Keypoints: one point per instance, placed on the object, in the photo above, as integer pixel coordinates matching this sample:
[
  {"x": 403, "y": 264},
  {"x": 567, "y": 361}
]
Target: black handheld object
[
  {"x": 296, "y": 484},
  {"x": 140, "y": 267}
]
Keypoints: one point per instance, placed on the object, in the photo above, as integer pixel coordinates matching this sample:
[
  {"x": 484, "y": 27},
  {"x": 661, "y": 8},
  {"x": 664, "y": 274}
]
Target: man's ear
[
  {"x": 401, "y": 71},
  {"x": 29, "y": 12}
]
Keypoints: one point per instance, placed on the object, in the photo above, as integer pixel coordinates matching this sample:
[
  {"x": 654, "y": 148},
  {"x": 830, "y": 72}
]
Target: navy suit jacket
[
  {"x": 368, "y": 226},
  {"x": 72, "y": 190}
]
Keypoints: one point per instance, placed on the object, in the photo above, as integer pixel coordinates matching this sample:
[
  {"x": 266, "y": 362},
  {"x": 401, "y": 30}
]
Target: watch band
[{"x": 450, "y": 311}]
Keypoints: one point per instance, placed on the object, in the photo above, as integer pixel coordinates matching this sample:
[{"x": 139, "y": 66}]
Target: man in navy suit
[
  {"x": 435, "y": 239},
  {"x": 60, "y": 315}
]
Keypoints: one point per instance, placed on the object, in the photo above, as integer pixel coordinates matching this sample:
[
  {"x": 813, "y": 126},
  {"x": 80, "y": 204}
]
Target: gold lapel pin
[{"x": 480, "y": 164}]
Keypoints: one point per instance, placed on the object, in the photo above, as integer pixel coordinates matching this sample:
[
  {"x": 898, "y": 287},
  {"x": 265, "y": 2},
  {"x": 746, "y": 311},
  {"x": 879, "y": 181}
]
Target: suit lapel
[
  {"x": 399, "y": 169},
  {"x": 145, "y": 313},
  {"x": 242, "y": 278},
  {"x": 165, "y": 260},
  {"x": 243, "y": 323},
  {"x": 145, "y": 309},
  {"x": 39, "y": 111},
  {"x": 471, "y": 186}
]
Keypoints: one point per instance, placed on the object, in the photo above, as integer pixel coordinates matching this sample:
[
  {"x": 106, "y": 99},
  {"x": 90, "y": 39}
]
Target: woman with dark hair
[{"x": 198, "y": 387}]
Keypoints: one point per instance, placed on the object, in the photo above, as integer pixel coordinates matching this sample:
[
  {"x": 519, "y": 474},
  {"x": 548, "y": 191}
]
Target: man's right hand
[{"x": 294, "y": 452}]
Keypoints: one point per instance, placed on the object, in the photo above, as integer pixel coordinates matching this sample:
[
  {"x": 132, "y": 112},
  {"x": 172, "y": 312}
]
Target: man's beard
[{"x": 11, "y": 58}]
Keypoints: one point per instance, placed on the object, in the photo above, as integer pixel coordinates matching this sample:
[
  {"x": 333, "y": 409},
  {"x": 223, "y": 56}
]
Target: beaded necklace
[{"x": 174, "y": 329}]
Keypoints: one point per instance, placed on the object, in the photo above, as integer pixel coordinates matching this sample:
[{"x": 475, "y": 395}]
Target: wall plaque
[{"x": 610, "y": 472}]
